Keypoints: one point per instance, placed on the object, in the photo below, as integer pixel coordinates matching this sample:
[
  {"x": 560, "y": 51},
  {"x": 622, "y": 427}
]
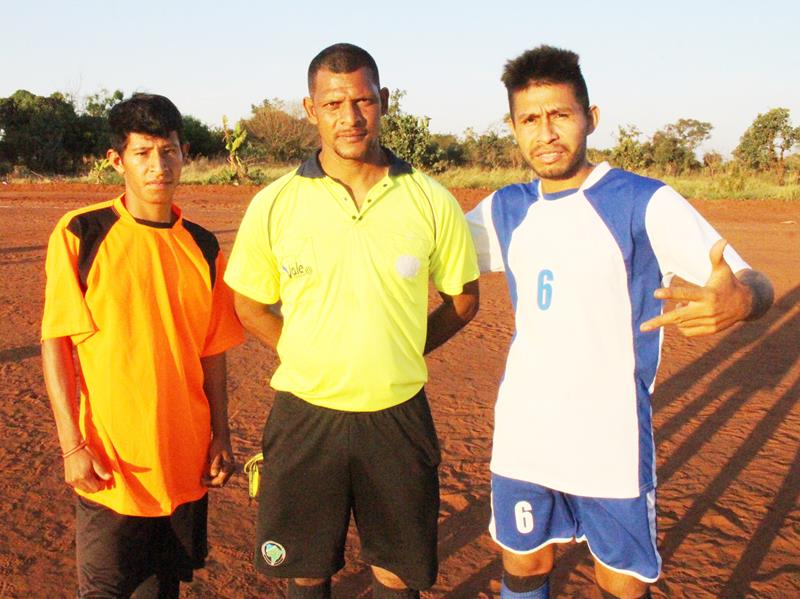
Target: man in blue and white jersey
[{"x": 588, "y": 252}]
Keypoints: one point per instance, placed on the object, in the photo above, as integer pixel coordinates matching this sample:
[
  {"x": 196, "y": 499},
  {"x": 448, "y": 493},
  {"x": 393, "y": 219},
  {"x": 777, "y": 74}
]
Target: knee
[
  {"x": 529, "y": 564},
  {"x": 387, "y": 585}
]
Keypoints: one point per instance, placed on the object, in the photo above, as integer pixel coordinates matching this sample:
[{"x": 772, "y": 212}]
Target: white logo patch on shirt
[{"x": 407, "y": 266}]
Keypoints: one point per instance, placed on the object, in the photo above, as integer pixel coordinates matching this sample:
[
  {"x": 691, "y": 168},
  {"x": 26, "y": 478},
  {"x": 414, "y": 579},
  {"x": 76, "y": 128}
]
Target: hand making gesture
[{"x": 725, "y": 299}]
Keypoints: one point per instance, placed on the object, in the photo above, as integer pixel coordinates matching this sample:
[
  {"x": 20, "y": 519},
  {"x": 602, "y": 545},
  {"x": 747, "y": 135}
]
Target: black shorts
[
  {"x": 116, "y": 553},
  {"x": 321, "y": 464}
]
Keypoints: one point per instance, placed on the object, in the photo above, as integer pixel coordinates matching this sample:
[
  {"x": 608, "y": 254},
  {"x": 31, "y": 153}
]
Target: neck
[
  {"x": 572, "y": 182},
  {"x": 356, "y": 176},
  {"x": 157, "y": 213},
  {"x": 354, "y": 171}
]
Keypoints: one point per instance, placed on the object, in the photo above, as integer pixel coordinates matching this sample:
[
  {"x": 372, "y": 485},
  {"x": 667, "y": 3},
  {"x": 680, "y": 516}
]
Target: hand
[
  {"x": 83, "y": 471},
  {"x": 221, "y": 464},
  {"x": 722, "y": 302}
]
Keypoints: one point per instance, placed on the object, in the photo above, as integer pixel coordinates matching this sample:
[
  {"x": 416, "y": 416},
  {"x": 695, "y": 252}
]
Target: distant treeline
[{"x": 64, "y": 135}]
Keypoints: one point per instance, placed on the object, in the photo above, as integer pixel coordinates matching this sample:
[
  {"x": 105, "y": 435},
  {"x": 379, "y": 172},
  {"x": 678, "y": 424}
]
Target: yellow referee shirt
[{"x": 353, "y": 284}]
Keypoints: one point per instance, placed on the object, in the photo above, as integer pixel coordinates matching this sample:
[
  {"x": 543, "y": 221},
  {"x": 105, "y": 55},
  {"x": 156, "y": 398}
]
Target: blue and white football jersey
[{"x": 573, "y": 410}]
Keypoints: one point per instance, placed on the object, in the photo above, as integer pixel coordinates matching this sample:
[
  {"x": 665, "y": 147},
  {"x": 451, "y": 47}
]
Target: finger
[
  {"x": 681, "y": 293},
  {"x": 676, "y": 316}
]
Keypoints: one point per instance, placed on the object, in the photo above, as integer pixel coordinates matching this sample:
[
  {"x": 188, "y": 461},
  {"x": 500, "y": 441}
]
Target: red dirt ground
[{"x": 726, "y": 413}]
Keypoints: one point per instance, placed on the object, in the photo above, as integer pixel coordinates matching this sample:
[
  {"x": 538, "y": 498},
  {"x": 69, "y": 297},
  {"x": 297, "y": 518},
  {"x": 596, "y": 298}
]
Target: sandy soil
[{"x": 726, "y": 413}]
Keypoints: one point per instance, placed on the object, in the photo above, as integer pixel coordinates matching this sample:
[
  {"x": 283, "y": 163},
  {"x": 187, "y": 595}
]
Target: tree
[
  {"x": 233, "y": 142},
  {"x": 202, "y": 140},
  {"x": 408, "y": 136},
  {"x": 674, "y": 147},
  {"x": 41, "y": 133},
  {"x": 764, "y": 145},
  {"x": 492, "y": 149},
  {"x": 101, "y": 103},
  {"x": 279, "y": 132},
  {"x": 630, "y": 153}
]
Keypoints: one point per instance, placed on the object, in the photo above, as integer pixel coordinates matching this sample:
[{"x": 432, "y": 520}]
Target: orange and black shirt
[{"x": 142, "y": 302}]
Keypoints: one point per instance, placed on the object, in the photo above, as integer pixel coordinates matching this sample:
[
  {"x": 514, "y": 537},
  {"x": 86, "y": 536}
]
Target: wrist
[{"x": 74, "y": 450}]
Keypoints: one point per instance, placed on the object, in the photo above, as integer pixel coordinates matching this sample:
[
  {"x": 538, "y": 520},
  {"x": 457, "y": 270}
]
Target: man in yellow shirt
[
  {"x": 137, "y": 292},
  {"x": 346, "y": 245}
]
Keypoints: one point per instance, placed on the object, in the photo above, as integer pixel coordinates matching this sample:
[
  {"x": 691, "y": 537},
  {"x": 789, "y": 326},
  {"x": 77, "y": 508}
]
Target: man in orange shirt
[{"x": 137, "y": 292}]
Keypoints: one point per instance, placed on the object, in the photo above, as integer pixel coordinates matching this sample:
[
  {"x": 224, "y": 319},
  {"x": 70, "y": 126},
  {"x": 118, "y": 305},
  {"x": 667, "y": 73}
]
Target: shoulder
[
  {"x": 204, "y": 238},
  {"x": 622, "y": 183},
  {"x": 88, "y": 219},
  {"x": 267, "y": 196}
]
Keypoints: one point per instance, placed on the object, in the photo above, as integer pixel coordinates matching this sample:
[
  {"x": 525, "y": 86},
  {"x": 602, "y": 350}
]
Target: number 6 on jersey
[{"x": 545, "y": 290}]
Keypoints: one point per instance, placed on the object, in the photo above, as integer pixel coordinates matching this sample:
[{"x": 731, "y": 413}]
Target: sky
[{"x": 645, "y": 63}]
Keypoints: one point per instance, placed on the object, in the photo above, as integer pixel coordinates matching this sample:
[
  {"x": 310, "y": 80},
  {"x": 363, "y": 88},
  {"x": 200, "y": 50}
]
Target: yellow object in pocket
[{"x": 253, "y": 472}]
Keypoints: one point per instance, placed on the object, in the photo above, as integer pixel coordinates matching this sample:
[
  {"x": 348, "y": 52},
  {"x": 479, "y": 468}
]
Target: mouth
[
  {"x": 550, "y": 156},
  {"x": 159, "y": 184},
  {"x": 351, "y": 136}
]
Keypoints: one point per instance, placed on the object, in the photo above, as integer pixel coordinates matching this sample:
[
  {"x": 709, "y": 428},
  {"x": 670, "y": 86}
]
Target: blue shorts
[{"x": 621, "y": 533}]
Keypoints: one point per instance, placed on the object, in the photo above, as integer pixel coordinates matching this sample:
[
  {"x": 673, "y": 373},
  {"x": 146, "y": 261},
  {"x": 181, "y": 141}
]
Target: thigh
[
  {"x": 621, "y": 533},
  {"x": 304, "y": 496},
  {"x": 396, "y": 490},
  {"x": 527, "y": 517},
  {"x": 111, "y": 550}
]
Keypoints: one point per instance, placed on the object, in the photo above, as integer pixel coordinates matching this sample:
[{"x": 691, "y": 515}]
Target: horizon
[{"x": 719, "y": 62}]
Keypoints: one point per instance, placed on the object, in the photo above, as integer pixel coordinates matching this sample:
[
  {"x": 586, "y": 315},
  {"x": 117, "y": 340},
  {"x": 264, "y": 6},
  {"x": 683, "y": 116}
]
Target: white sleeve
[
  {"x": 484, "y": 236},
  {"x": 682, "y": 239}
]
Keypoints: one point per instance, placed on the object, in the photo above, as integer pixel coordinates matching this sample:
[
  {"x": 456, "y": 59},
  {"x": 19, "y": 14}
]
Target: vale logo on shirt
[{"x": 296, "y": 269}]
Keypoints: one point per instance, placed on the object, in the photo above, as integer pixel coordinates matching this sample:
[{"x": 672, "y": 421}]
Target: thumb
[
  {"x": 716, "y": 253},
  {"x": 101, "y": 470},
  {"x": 216, "y": 464}
]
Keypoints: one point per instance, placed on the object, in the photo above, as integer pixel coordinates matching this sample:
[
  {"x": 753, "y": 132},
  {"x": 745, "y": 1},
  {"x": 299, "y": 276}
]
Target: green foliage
[
  {"x": 43, "y": 134},
  {"x": 202, "y": 140},
  {"x": 100, "y": 103},
  {"x": 98, "y": 170},
  {"x": 492, "y": 149},
  {"x": 409, "y": 137},
  {"x": 279, "y": 132},
  {"x": 630, "y": 153},
  {"x": 764, "y": 145},
  {"x": 233, "y": 141}
]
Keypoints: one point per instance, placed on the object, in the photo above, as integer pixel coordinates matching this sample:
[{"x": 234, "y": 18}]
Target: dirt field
[{"x": 726, "y": 413}]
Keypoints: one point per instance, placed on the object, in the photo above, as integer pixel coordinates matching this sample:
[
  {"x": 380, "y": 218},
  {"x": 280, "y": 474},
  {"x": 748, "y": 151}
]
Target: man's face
[
  {"x": 551, "y": 128},
  {"x": 151, "y": 167},
  {"x": 346, "y": 109}
]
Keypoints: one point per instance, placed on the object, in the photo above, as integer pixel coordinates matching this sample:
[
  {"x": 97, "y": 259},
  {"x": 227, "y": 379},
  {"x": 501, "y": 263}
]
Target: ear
[
  {"x": 384, "y": 94},
  {"x": 509, "y": 123},
  {"x": 311, "y": 113},
  {"x": 594, "y": 119},
  {"x": 185, "y": 151},
  {"x": 115, "y": 159}
]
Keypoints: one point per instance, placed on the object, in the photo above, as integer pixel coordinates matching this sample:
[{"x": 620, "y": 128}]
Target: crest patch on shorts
[{"x": 273, "y": 553}]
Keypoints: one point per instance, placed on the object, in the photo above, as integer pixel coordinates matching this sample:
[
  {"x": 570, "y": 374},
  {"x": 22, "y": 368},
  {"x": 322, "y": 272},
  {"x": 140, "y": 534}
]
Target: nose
[
  {"x": 351, "y": 114},
  {"x": 547, "y": 133},
  {"x": 158, "y": 161}
]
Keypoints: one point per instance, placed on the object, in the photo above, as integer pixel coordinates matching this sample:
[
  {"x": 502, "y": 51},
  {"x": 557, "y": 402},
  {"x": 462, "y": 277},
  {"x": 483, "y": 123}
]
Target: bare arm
[
  {"x": 221, "y": 463},
  {"x": 724, "y": 300},
  {"x": 455, "y": 312},
  {"x": 81, "y": 469},
  {"x": 261, "y": 320}
]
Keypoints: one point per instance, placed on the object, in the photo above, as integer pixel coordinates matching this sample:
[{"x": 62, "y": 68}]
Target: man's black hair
[
  {"x": 542, "y": 66},
  {"x": 150, "y": 114},
  {"x": 342, "y": 58}
]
